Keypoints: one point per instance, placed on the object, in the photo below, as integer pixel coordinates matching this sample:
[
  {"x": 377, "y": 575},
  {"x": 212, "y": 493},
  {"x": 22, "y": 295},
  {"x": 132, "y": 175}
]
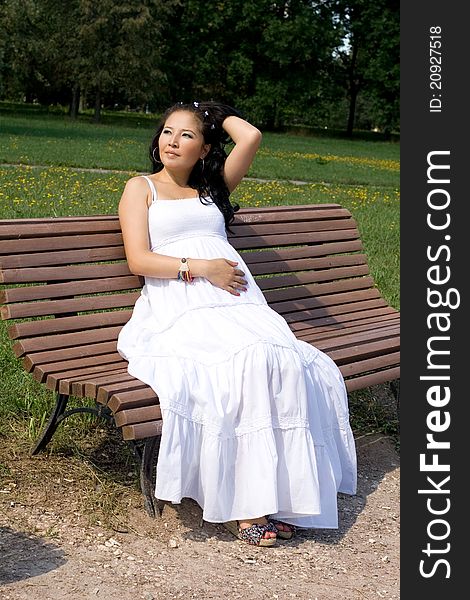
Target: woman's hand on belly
[{"x": 224, "y": 274}]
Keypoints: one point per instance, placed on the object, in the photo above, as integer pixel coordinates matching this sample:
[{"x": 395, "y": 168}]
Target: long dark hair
[{"x": 206, "y": 176}]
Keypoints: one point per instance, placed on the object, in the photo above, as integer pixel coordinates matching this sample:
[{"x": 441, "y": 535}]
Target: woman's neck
[
  {"x": 173, "y": 187},
  {"x": 172, "y": 178}
]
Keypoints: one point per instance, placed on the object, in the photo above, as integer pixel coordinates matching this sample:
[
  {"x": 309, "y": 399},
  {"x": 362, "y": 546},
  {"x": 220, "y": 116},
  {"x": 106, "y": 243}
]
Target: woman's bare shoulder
[
  {"x": 137, "y": 182},
  {"x": 136, "y": 188}
]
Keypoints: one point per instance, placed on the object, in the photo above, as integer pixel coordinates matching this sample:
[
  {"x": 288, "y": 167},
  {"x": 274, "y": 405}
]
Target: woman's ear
[{"x": 205, "y": 150}]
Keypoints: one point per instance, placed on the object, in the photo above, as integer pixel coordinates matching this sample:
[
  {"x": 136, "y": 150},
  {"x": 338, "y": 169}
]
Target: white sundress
[{"x": 255, "y": 422}]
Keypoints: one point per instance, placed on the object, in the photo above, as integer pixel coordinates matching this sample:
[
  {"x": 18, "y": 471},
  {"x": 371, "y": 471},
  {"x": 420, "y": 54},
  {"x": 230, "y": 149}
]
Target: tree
[
  {"x": 281, "y": 62},
  {"x": 271, "y": 59},
  {"x": 369, "y": 59},
  {"x": 119, "y": 46},
  {"x": 58, "y": 49},
  {"x": 21, "y": 42}
]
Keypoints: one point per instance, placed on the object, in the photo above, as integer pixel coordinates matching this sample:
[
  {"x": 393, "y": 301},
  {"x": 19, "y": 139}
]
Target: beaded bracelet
[{"x": 184, "y": 274}]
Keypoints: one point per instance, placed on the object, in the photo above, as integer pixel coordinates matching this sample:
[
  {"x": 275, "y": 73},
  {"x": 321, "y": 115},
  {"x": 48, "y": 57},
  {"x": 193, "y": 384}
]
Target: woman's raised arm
[{"x": 247, "y": 139}]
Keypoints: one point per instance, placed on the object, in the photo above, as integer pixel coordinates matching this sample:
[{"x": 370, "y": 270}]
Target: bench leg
[
  {"x": 59, "y": 414},
  {"x": 147, "y": 456},
  {"x": 52, "y": 424},
  {"x": 395, "y": 388}
]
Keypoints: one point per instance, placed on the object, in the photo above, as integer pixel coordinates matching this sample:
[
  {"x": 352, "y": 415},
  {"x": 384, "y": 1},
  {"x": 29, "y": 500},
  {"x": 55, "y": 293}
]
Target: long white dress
[{"x": 255, "y": 422}]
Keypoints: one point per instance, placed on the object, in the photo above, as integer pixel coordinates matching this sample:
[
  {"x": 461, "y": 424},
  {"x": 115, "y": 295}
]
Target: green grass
[
  {"x": 362, "y": 176},
  {"x": 323, "y": 160},
  {"x": 62, "y": 142}
]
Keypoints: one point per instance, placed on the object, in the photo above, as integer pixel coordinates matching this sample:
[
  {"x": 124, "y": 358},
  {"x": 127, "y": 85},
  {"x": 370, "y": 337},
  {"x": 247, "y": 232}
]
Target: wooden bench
[{"x": 68, "y": 290}]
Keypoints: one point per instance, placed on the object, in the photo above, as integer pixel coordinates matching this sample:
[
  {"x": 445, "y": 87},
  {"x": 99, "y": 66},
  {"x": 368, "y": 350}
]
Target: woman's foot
[
  {"x": 269, "y": 533},
  {"x": 284, "y": 530},
  {"x": 257, "y": 532}
]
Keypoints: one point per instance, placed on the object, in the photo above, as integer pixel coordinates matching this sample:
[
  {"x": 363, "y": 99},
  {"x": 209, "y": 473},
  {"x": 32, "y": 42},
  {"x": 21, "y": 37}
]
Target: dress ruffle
[{"x": 250, "y": 404}]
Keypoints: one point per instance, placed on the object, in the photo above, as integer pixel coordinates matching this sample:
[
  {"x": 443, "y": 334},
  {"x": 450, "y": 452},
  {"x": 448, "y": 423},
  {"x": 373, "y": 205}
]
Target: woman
[{"x": 255, "y": 422}]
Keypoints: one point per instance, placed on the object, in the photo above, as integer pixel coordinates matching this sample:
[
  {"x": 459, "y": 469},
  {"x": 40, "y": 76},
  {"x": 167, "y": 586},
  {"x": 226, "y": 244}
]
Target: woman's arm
[
  {"x": 133, "y": 218},
  {"x": 247, "y": 139}
]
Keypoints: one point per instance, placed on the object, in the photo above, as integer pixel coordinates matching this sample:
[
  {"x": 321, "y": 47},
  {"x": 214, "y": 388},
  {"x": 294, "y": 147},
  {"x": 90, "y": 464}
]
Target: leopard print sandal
[
  {"x": 282, "y": 533},
  {"x": 254, "y": 534}
]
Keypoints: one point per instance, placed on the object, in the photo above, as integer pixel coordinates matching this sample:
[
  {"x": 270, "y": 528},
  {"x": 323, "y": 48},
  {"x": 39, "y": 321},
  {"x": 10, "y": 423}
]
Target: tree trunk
[
  {"x": 82, "y": 105},
  {"x": 352, "y": 109},
  {"x": 97, "y": 115},
  {"x": 353, "y": 91},
  {"x": 75, "y": 101}
]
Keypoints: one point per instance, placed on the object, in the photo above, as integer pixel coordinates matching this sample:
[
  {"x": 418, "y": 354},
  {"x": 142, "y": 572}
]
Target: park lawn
[{"x": 59, "y": 141}]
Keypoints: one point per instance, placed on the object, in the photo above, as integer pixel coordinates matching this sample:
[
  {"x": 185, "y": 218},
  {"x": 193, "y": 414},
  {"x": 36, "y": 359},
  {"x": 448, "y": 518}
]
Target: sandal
[
  {"x": 254, "y": 534},
  {"x": 282, "y": 533}
]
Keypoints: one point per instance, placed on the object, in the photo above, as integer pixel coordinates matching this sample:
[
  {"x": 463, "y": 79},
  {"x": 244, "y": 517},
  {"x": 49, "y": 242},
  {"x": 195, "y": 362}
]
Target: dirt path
[{"x": 49, "y": 551}]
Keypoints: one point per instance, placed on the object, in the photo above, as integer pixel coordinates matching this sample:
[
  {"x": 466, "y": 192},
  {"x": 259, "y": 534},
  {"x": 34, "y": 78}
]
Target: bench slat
[
  {"x": 45, "y": 226},
  {"x": 75, "y": 385},
  {"x": 72, "y": 288},
  {"x": 273, "y": 214},
  {"x": 299, "y": 326},
  {"x": 355, "y": 339},
  {"x": 72, "y": 272},
  {"x": 58, "y": 342},
  {"x": 323, "y": 301},
  {"x": 252, "y": 257},
  {"x": 119, "y": 400},
  {"x": 93, "y": 385},
  {"x": 54, "y": 380},
  {"x": 127, "y": 395},
  {"x": 138, "y": 415},
  {"x": 78, "y": 388},
  {"x": 358, "y": 383},
  {"x": 77, "y": 272},
  {"x": 17, "y": 262},
  {"x": 342, "y": 322},
  {"x": 297, "y": 225},
  {"x": 65, "y": 307},
  {"x": 64, "y": 257},
  {"x": 141, "y": 431},
  {"x": 293, "y": 239},
  {"x": 332, "y": 332},
  {"x": 68, "y": 324},
  {"x": 307, "y": 315},
  {"x": 42, "y": 244},
  {"x": 106, "y": 391},
  {"x": 365, "y": 350},
  {"x": 40, "y": 372},
  {"x": 306, "y": 277},
  {"x": 304, "y": 264},
  {"x": 48, "y": 356},
  {"x": 277, "y": 286},
  {"x": 371, "y": 364},
  {"x": 54, "y": 226},
  {"x": 318, "y": 289}
]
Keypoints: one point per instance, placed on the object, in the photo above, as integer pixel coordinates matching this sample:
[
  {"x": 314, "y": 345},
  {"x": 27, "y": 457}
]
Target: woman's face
[{"x": 181, "y": 143}]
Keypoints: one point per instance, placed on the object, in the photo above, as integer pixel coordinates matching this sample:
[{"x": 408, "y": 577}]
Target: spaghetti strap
[{"x": 152, "y": 188}]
